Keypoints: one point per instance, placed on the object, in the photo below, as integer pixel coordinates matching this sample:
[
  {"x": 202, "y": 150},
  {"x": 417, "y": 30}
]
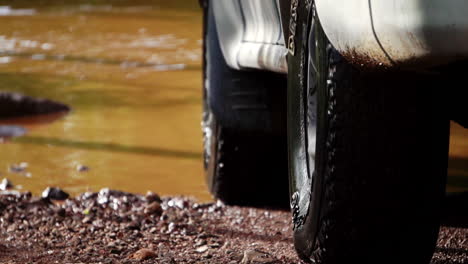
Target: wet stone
[
  {"x": 54, "y": 193},
  {"x": 16, "y": 105},
  {"x": 82, "y": 168},
  {"x": 18, "y": 168},
  {"x": 6, "y": 184}
]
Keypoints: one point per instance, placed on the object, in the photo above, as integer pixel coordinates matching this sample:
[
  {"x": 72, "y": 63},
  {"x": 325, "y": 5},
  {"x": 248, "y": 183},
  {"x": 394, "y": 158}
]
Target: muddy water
[{"x": 130, "y": 72}]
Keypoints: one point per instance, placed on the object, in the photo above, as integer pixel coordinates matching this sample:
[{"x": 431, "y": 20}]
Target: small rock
[
  {"x": 17, "y": 168},
  {"x": 202, "y": 249},
  {"x": 6, "y": 184},
  {"x": 256, "y": 256},
  {"x": 116, "y": 250},
  {"x": 177, "y": 202},
  {"x": 152, "y": 197},
  {"x": 171, "y": 227},
  {"x": 16, "y": 105},
  {"x": 153, "y": 208},
  {"x": 215, "y": 245},
  {"x": 144, "y": 254},
  {"x": 11, "y": 228},
  {"x": 103, "y": 196},
  {"x": 61, "y": 212},
  {"x": 200, "y": 242},
  {"x": 134, "y": 225},
  {"x": 82, "y": 168},
  {"x": 54, "y": 193},
  {"x": 87, "y": 220}
]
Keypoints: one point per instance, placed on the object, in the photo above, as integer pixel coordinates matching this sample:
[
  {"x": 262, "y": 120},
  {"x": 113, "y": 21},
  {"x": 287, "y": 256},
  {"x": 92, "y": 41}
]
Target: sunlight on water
[{"x": 131, "y": 73}]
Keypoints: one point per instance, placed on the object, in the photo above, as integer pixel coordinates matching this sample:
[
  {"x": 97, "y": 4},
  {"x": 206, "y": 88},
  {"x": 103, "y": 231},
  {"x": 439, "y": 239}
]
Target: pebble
[
  {"x": 61, "y": 212},
  {"x": 144, "y": 254},
  {"x": 171, "y": 227},
  {"x": 153, "y": 208},
  {"x": 82, "y": 168},
  {"x": 177, "y": 202},
  {"x": 17, "y": 168},
  {"x": 202, "y": 249},
  {"x": 256, "y": 256},
  {"x": 152, "y": 197},
  {"x": 103, "y": 196},
  {"x": 87, "y": 220},
  {"x": 6, "y": 184},
  {"x": 54, "y": 193},
  {"x": 134, "y": 225}
]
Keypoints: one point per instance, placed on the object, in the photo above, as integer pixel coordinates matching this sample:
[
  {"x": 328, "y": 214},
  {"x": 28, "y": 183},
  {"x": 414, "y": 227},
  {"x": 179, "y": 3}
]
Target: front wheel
[{"x": 367, "y": 155}]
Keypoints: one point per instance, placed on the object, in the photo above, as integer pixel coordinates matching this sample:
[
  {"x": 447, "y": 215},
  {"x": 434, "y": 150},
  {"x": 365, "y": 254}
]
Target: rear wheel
[
  {"x": 244, "y": 129},
  {"x": 368, "y": 157}
]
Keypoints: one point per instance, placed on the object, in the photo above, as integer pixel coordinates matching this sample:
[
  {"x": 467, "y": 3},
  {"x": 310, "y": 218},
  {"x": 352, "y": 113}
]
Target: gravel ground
[{"x": 117, "y": 227}]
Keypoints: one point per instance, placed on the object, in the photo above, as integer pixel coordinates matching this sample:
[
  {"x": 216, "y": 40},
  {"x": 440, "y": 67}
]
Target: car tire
[
  {"x": 368, "y": 156},
  {"x": 245, "y": 150}
]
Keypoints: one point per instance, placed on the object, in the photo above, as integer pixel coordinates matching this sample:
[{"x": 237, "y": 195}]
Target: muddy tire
[
  {"x": 368, "y": 157},
  {"x": 244, "y": 130}
]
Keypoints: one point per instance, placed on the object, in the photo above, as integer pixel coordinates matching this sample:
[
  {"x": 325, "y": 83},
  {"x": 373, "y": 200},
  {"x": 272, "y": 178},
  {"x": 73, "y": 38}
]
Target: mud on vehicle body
[{"x": 358, "y": 92}]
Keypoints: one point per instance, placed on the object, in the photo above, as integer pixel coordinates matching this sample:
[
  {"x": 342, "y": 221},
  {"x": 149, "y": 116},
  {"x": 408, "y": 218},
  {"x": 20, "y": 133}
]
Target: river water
[{"x": 131, "y": 71}]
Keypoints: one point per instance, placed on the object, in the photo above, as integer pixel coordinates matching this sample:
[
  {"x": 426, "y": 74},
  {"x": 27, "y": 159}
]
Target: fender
[{"x": 397, "y": 33}]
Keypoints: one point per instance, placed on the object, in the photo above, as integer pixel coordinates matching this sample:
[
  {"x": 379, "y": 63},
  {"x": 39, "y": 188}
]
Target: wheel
[
  {"x": 367, "y": 153},
  {"x": 245, "y": 150}
]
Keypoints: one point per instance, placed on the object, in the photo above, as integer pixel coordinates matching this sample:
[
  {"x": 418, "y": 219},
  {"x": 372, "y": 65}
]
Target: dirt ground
[{"x": 117, "y": 227}]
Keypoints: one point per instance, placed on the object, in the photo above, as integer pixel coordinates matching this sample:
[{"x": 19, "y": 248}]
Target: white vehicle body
[
  {"x": 251, "y": 34},
  {"x": 377, "y": 33}
]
